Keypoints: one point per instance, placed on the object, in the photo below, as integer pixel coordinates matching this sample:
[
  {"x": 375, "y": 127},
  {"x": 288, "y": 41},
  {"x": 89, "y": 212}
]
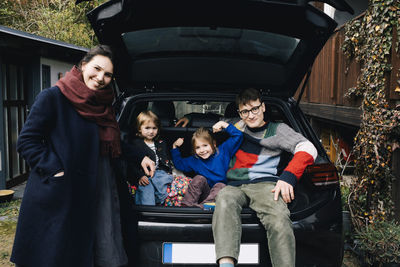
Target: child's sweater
[
  {"x": 214, "y": 168},
  {"x": 164, "y": 162},
  {"x": 258, "y": 157}
]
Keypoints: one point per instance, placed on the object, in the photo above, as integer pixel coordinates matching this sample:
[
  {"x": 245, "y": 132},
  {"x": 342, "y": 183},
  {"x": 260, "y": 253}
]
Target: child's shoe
[{"x": 209, "y": 206}]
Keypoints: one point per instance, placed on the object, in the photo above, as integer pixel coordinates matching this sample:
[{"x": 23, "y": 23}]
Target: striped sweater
[{"x": 258, "y": 157}]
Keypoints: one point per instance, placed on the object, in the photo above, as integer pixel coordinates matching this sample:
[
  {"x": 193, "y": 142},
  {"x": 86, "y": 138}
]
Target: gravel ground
[{"x": 8, "y": 222}]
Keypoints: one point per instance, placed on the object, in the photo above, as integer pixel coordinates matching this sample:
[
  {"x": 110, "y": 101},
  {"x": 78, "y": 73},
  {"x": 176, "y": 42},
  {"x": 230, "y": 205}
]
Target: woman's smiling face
[{"x": 97, "y": 73}]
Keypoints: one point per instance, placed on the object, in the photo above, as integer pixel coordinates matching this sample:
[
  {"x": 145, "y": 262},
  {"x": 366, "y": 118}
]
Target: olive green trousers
[{"x": 273, "y": 215}]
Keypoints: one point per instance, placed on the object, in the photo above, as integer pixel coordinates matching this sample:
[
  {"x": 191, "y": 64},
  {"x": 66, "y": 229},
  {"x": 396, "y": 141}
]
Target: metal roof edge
[{"x": 7, "y": 30}]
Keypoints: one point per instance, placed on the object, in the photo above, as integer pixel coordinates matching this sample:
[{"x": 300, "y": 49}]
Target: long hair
[{"x": 203, "y": 133}]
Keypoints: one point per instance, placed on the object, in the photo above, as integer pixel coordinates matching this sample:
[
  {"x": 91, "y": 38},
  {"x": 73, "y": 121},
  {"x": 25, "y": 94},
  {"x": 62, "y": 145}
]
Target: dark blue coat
[{"x": 56, "y": 221}]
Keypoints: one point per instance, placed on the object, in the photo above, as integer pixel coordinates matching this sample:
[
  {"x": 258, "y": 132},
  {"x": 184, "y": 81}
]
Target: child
[
  {"x": 152, "y": 191},
  {"x": 209, "y": 162}
]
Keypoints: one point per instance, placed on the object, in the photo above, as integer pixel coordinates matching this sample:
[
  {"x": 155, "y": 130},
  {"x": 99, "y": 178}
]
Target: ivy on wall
[{"x": 369, "y": 40}]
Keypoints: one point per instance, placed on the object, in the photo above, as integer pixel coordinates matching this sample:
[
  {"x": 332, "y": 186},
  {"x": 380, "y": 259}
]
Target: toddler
[
  {"x": 209, "y": 162},
  {"x": 152, "y": 190}
]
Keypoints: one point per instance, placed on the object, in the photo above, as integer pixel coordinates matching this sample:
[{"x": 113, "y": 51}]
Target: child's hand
[
  {"x": 219, "y": 126},
  {"x": 177, "y": 143},
  {"x": 143, "y": 181}
]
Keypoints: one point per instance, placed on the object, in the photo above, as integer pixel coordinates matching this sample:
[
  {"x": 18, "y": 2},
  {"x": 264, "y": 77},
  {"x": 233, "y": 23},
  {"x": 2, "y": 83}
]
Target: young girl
[
  {"x": 152, "y": 191},
  {"x": 209, "y": 162}
]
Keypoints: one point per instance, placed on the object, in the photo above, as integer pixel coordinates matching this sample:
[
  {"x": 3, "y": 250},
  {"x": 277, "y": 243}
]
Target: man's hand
[
  {"x": 219, "y": 126},
  {"x": 184, "y": 121},
  {"x": 285, "y": 189},
  {"x": 143, "y": 181},
  {"x": 177, "y": 143},
  {"x": 148, "y": 166}
]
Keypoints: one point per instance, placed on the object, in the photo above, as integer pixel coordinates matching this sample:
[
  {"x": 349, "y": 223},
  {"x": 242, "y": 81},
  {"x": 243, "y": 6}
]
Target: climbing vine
[{"x": 369, "y": 40}]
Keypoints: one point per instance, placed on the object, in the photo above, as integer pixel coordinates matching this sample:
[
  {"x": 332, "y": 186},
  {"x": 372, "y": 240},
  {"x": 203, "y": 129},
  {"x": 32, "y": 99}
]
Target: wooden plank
[
  {"x": 332, "y": 75},
  {"x": 333, "y": 71},
  {"x": 342, "y": 114}
]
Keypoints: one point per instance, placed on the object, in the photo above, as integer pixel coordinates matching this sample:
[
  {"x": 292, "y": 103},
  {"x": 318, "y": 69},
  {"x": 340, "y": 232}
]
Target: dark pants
[{"x": 199, "y": 192}]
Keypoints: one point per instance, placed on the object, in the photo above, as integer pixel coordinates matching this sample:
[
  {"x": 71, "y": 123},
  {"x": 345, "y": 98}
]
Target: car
[{"x": 192, "y": 57}]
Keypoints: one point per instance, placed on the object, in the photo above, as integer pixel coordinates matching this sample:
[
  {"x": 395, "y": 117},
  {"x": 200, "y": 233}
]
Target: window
[{"x": 45, "y": 76}]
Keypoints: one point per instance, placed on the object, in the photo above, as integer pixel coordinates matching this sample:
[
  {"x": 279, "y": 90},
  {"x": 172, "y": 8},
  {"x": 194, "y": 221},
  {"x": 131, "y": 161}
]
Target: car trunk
[
  {"x": 309, "y": 197},
  {"x": 207, "y": 45},
  {"x": 177, "y": 50}
]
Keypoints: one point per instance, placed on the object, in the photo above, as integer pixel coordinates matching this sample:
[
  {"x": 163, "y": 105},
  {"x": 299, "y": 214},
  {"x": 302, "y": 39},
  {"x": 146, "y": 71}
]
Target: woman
[{"x": 70, "y": 211}]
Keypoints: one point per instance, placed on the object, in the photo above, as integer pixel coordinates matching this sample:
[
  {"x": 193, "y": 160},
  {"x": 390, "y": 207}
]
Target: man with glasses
[{"x": 253, "y": 181}]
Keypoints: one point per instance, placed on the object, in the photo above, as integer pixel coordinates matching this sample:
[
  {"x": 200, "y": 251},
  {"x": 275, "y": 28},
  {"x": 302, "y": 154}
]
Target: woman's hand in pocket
[{"x": 59, "y": 174}]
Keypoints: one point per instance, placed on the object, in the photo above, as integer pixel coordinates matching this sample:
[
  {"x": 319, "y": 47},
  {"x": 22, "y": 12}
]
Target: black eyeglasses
[{"x": 245, "y": 112}]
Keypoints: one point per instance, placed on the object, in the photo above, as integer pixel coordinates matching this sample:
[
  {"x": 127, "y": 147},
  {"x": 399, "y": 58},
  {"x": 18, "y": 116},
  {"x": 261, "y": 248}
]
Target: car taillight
[{"x": 322, "y": 174}]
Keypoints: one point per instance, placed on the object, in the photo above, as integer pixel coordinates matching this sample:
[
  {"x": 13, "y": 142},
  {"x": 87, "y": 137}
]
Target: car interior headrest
[
  {"x": 206, "y": 120},
  {"x": 165, "y": 111},
  {"x": 231, "y": 111}
]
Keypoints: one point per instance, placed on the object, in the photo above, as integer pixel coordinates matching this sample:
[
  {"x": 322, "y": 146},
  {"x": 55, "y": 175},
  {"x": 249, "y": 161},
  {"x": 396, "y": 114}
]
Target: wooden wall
[{"x": 333, "y": 74}]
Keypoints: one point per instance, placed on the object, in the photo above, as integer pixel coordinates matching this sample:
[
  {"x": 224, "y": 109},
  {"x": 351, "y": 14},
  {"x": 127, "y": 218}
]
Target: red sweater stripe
[
  {"x": 244, "y": 160},
  {"x": 298, "y": 163}
]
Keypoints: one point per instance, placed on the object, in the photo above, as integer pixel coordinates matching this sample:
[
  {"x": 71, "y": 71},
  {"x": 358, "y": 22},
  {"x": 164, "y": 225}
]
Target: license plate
[{"x": 204, "y": 253}]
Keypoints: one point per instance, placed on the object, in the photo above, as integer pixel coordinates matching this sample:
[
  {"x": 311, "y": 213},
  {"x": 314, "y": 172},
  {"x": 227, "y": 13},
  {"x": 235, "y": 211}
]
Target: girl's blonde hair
[
  {"x": 146, "y": 116},
  {"x": 203, "y": 133}
]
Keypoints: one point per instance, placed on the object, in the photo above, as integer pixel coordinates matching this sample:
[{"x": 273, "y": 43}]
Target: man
[{"x": 252, "y": 181}]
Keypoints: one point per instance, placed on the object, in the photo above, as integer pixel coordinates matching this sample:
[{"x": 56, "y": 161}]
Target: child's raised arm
[
  {"x": 232, "y": 144},
  {"x": 177, "y": 143},
  {"x": 219, "y": 126},
  {"x": 182, "y": 164}
]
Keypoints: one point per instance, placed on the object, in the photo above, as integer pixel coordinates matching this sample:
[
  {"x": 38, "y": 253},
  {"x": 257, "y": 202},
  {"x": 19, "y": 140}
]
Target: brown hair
[
  {"x": 146, "y": 116},
  {"x": 247, "y": 95},
  {"x": 203, "y": 133},
  {"x": 102, "y": 50}
]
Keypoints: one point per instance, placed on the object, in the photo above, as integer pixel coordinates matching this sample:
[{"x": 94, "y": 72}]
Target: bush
[
  {"x": 345, "y": 191},
  {"x": 380, "y": 242}
]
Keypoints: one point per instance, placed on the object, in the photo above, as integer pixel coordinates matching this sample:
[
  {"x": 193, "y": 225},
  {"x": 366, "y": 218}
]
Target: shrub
[
  {"x": 380, "y": 242},
  {"x": 345, "y": 191}
]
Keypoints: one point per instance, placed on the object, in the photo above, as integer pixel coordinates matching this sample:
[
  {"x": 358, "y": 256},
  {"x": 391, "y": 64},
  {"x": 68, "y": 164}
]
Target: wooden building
[
  {"x": 335, "y": 117},
  {"x": 28, "y": 64}
]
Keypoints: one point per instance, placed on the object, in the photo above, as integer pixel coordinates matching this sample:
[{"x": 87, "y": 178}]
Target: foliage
[
  {"x": 345, "y": 192},
  {"x": 55, "y": 19},
  {"x": 381, "y": 242},
  {"x": 9, "y": 212},
  {"x": 368, "y": 39},
  {"x": 8, "y": 216},
  {"x": 9, "y": 209}
]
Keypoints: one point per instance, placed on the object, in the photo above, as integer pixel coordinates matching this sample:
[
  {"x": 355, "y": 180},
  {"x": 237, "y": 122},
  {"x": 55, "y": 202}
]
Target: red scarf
[{"x": 94, "y": 105}]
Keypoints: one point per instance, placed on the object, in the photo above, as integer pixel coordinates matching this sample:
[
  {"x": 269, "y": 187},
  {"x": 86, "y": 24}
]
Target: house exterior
[
  {"x": 337, "y": 118},
  {"x": 28, "y": 64},
  {"x": 332, "y": 75}
]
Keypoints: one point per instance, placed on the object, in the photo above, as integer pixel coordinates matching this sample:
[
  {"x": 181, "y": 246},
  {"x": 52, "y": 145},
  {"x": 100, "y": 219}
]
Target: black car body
[{"x": 197, "y": 55}]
